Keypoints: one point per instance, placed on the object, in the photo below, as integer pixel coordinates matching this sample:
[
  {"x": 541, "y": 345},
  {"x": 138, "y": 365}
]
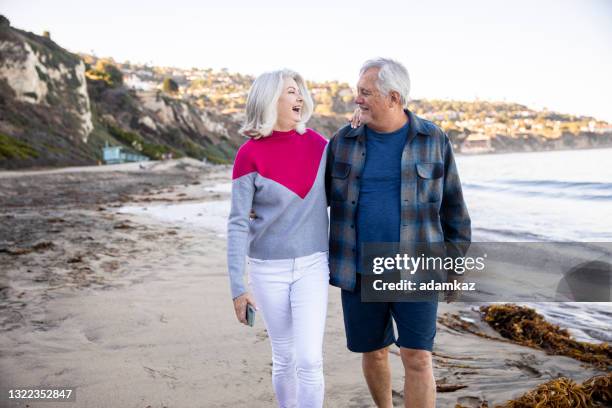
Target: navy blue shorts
[{"x": 369, "y": 325}]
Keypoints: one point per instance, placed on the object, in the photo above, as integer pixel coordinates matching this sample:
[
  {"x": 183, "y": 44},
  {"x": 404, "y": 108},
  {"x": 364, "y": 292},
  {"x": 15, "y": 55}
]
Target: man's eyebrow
[{"x": 291, "y": 87}]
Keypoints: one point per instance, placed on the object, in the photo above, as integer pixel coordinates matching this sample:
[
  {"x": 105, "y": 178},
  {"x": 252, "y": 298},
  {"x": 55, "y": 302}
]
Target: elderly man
[{"x": 392, "y": 179}]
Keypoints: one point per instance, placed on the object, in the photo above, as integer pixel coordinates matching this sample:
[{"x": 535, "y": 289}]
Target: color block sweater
[{"x": 282, "y": 178}]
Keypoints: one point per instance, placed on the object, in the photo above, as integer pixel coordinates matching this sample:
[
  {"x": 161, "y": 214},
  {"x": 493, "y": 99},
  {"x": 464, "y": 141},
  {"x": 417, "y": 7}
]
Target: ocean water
[
  {"x": 555, "y": 196},
  {"x": 545, "y": 196}
]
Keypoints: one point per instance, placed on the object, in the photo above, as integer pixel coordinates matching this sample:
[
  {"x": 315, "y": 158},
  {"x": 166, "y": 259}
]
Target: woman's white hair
[
  {"x": 262, "y": 102},
  {"x": 392, "y": 76}
]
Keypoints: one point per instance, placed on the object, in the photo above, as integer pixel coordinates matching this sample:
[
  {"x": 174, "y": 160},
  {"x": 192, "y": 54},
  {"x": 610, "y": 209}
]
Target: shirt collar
[{"x": 416, "y": 126}]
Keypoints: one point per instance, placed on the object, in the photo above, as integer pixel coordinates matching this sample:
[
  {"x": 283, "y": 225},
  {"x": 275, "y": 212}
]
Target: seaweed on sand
[
  {"x": 526, "y": 327},
  {"x": 565, "y": 393}
]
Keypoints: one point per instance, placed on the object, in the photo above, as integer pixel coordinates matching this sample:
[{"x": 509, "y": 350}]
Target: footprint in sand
[{"x": 261, "y": 336}]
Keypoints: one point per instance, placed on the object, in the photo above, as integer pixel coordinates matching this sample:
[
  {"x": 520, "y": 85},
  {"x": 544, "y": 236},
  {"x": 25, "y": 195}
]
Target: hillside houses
[{"x": 226, "y": 92}]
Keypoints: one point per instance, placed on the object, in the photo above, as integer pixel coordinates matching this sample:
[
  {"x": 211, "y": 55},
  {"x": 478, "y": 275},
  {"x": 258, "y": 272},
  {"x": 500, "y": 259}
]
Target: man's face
[{"x": 374, "y": 105}]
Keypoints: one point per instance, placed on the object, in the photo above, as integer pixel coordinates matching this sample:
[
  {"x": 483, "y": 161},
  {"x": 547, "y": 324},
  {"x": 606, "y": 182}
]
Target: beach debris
[
  {"x": 154, "y": 373},
  {"x": 76, "y": 259},
  {"x": 525, "y": 326},
  {"x": 123, "y": 225},
  {"x": 39, "y": 247},
  {"x": 449, "y": 387},
  {"x": 562, "y": 392},
  {"x": 42, "y": 246},
  {"x": 454, "y": 321},
  {"x": 457, "y": 357},
  {"x": 442, "y": 385}
]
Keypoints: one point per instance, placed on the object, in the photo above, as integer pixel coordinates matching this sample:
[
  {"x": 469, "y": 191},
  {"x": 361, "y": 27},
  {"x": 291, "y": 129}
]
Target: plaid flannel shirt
[{"x": 432, "y": 207}]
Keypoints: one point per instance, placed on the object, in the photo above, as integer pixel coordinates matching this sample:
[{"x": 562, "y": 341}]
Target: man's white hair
[
  {"x": 262, "y": 102},
  {"x": 392, "y": 76}
]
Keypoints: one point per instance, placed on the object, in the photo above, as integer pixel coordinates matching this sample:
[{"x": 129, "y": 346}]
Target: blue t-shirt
[{"x": 379, "y": 207}]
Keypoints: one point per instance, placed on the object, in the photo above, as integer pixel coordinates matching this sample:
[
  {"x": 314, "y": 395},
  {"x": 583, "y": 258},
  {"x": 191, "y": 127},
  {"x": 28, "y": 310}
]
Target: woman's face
[{"x": 290, "y": 105}]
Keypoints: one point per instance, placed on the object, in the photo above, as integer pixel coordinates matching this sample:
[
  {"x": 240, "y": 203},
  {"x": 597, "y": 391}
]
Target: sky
[{"x": 541, "y": 53}]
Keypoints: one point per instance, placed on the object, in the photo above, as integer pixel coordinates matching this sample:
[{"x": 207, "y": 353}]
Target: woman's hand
[
  {"x": 356, "y": 118},
  {"x": 240, "y": 306}
]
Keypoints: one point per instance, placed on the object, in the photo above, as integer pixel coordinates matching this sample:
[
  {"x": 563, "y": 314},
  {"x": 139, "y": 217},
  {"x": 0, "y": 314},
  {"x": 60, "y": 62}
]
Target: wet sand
[{"x": 135, "y": 311}]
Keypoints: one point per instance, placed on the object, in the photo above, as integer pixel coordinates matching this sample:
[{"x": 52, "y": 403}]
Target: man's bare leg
[
  {"x": 419, "y": 382},
  {"x": 377, "y": 373}
]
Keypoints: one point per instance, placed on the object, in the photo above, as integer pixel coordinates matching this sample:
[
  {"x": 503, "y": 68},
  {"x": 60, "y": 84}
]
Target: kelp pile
[
  {"x": 526, "y": 327},
  {"x": 565, "y": 393}
]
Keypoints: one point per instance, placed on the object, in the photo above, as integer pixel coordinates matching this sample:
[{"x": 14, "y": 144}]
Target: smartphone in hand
[{"x": 250, "y": 315}]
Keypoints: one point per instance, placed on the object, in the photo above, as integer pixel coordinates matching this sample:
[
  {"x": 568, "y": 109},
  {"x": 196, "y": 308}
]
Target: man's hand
[
  {"x": 453, "y": 295},
  {"x": 240, "y": 305},
  {"x": 356, "y": 118}
]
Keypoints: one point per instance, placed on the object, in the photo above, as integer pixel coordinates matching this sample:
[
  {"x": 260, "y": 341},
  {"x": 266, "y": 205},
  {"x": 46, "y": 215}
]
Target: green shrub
[
  {"x": 155, "y": 151},
  {"x": 170, "y": 86},
  {"x": 131, "y": 139},
  {"x": 136, "y": 142},
  {"x": 194, "y": 150},
  {"x": 215, "y": 155},
  {"x": 106, "y": 71},
  {"x": 12, "y": 148}
]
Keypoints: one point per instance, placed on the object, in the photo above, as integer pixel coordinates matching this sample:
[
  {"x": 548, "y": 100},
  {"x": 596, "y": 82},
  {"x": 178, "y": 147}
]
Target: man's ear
[{"x": 395, "y": 98}]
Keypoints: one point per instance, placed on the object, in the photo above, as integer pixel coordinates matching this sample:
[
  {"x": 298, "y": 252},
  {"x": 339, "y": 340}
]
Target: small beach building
[{"x": 120, "y": 154}]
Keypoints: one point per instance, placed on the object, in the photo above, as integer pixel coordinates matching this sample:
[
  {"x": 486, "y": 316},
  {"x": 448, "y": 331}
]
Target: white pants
[{"x": 292, "y": 297}]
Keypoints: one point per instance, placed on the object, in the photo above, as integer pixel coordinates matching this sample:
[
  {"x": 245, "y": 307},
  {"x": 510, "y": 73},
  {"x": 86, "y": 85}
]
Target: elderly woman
[{"x": 280, "y": 174}]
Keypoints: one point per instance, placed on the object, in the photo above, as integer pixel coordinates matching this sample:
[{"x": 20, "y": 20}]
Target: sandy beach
[{"x": 134, "y": 310}]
